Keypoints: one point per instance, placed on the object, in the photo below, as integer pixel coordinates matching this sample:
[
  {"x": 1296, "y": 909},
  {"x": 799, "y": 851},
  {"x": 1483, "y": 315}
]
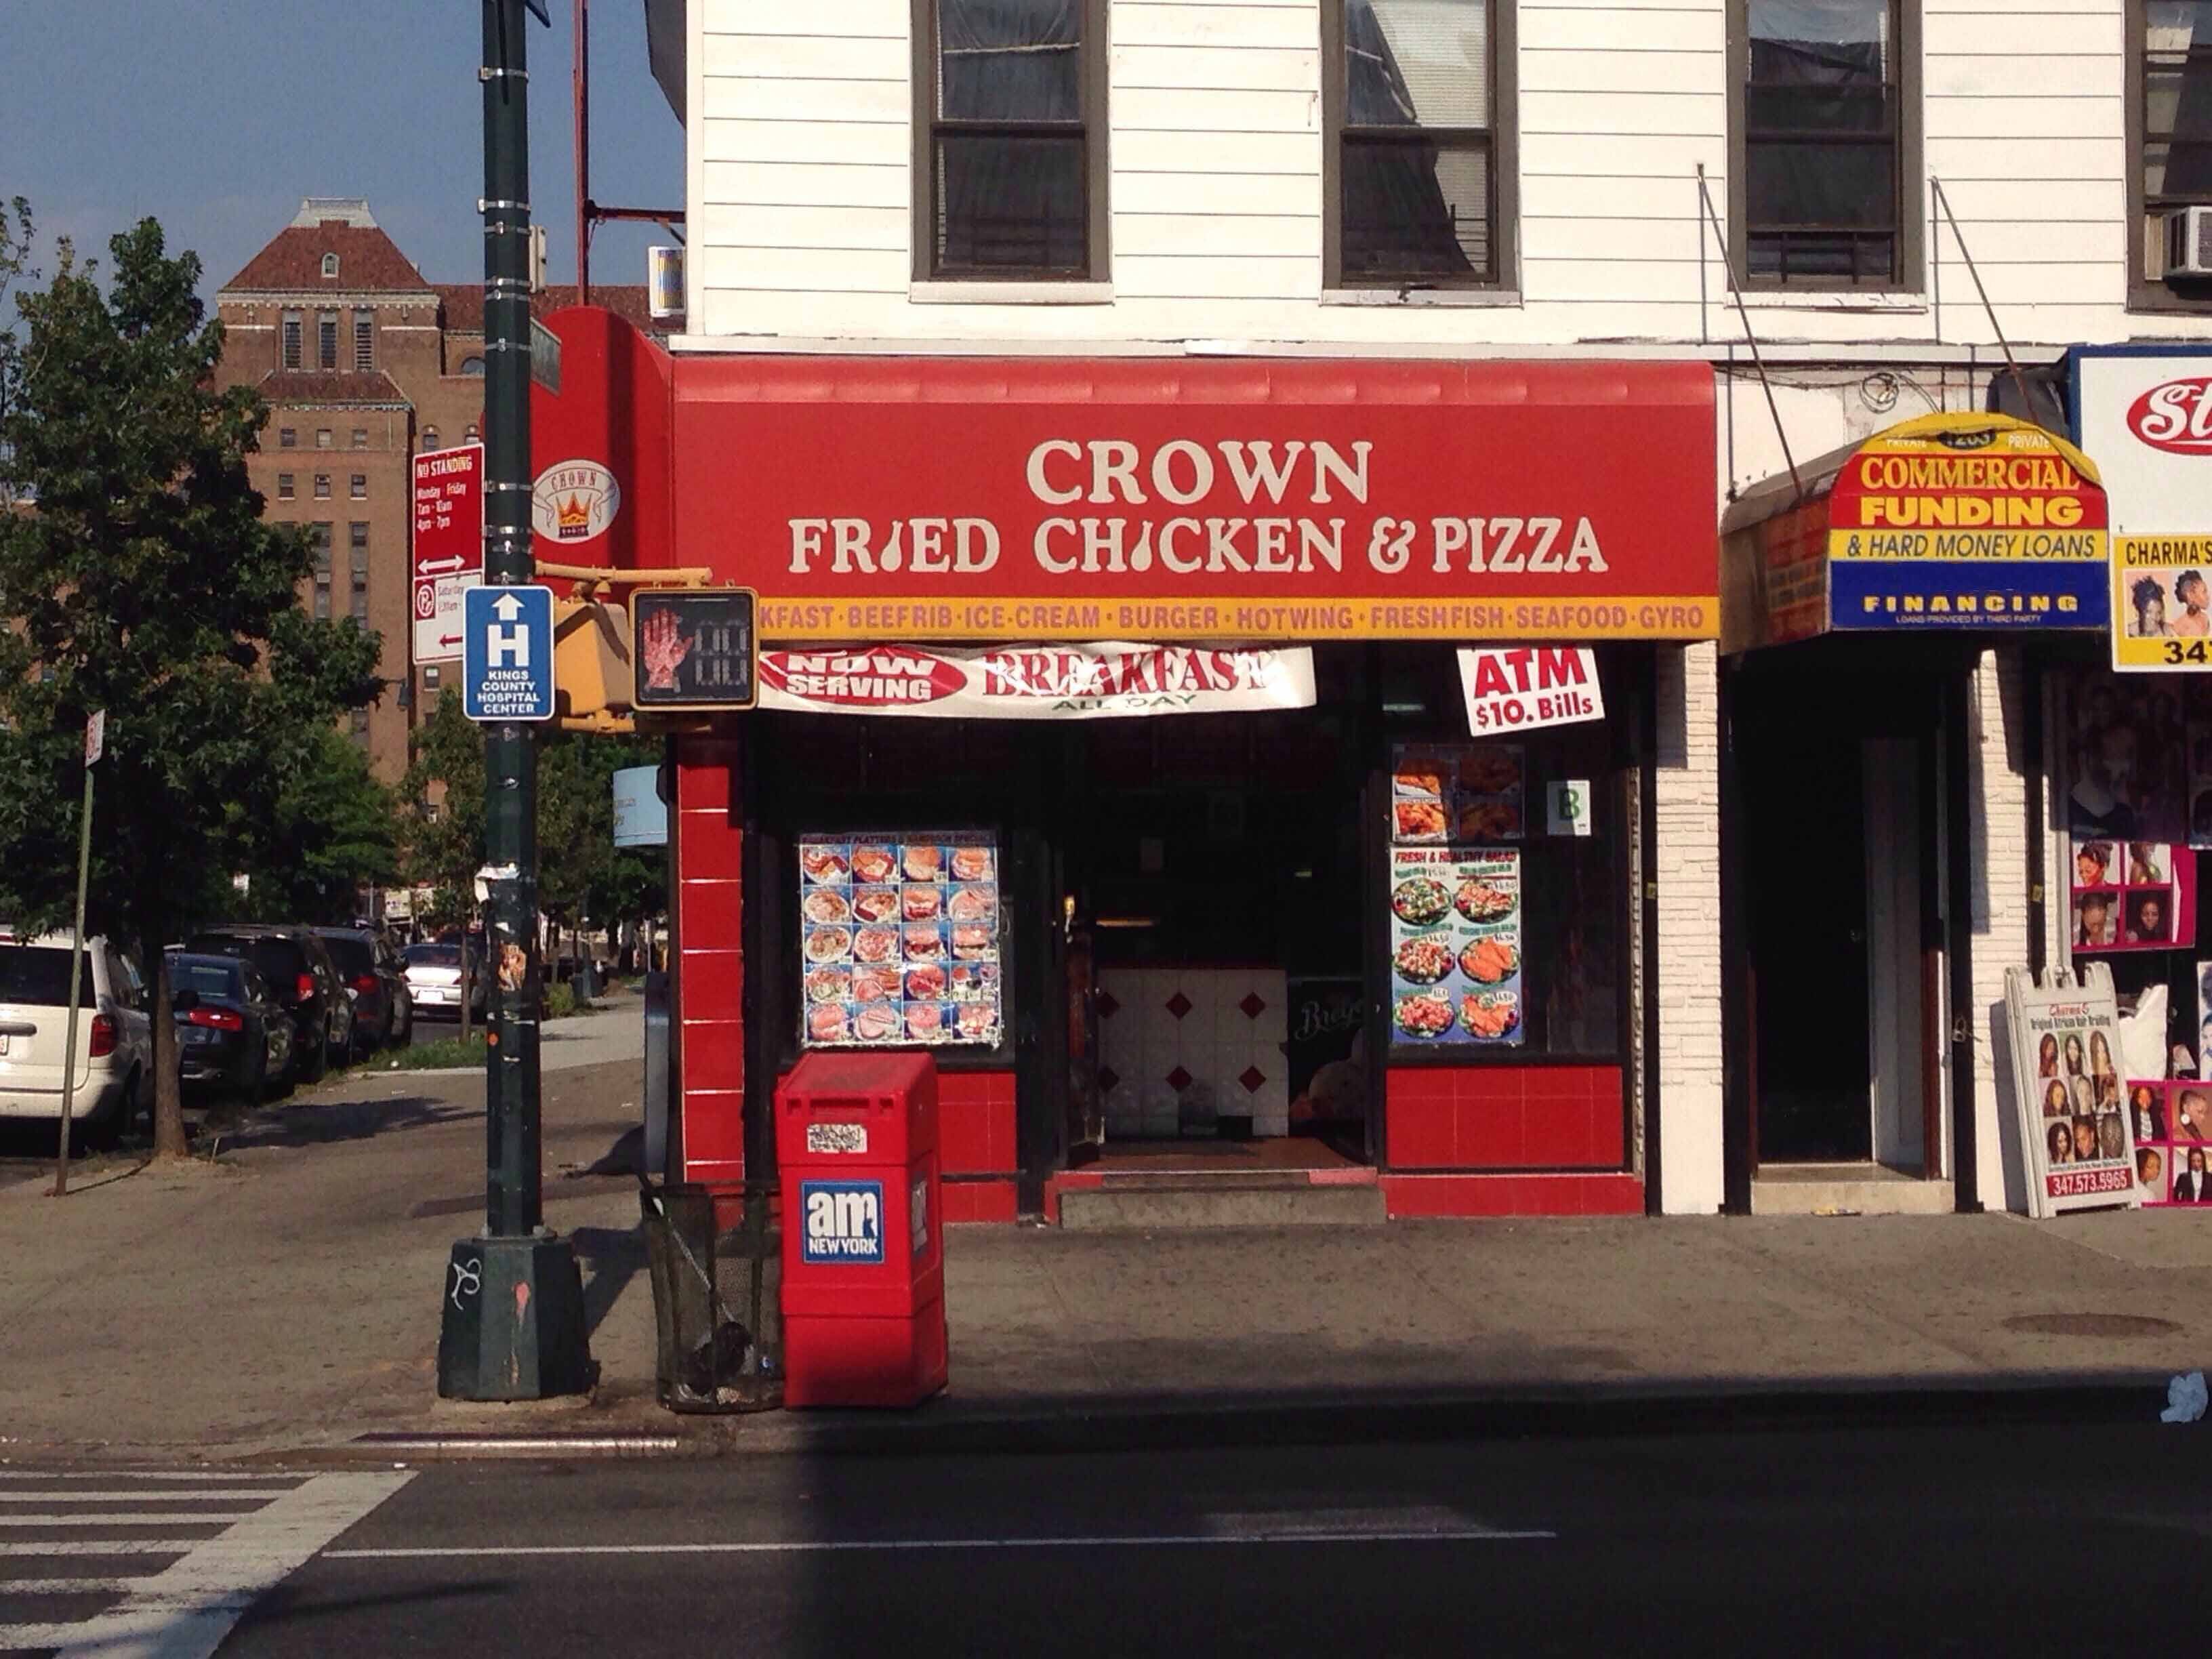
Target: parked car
[
  {"x": 112, "y": 1077},
  {"x": 434, "y": 980},
  {"x": 383, "y": 1008},
  {"x": 231, "y": 1030},
  {"x": 298, "y": 967}
]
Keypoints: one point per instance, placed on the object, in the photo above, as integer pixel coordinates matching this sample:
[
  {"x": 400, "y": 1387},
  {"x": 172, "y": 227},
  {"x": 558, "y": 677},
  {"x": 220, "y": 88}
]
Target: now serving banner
[{"x": 1035, "y": 682}]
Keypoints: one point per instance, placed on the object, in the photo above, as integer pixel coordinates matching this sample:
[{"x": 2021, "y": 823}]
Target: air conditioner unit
[{"x": 2189, "y": 242}]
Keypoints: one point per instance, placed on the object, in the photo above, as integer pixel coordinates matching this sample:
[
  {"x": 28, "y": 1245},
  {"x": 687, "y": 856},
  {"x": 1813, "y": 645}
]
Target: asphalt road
[{"x": 2058, "y": 1539}]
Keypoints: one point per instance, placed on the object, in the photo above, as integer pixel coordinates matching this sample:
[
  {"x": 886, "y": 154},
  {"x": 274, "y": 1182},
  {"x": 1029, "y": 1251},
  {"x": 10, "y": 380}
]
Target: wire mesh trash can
[{"x": 717, "y": 1346}]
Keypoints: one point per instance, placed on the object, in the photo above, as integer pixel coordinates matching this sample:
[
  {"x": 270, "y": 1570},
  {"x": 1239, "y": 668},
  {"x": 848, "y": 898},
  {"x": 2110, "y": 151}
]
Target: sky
[{"x": 216, "y": 117}]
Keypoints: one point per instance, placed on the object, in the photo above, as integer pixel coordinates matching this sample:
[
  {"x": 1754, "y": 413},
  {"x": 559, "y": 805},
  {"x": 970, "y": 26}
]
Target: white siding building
[{"x": 1494, "y": 180}]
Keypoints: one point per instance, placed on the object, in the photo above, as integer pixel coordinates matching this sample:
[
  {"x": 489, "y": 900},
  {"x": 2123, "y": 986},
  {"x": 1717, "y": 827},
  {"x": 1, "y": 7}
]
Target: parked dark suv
[
  {"x": 382, "y": 1012},
  {"x": 298, "y": 967}
]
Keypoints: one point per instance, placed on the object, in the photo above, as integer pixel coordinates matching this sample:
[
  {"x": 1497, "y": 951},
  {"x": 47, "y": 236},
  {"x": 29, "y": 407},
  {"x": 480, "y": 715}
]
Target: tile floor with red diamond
[{"x": 1180, "y": 1049}]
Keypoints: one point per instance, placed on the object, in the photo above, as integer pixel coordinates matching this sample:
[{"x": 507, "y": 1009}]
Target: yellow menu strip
[{"x": 1654, "y": 616}]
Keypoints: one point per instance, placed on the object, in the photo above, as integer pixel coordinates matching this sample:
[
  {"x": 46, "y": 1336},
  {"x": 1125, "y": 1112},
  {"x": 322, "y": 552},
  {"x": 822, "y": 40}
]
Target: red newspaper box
[{"x": 863, "y": 1254}]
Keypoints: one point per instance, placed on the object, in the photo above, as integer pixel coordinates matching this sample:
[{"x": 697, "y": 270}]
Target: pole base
[{"x": 512, "y": 1321}]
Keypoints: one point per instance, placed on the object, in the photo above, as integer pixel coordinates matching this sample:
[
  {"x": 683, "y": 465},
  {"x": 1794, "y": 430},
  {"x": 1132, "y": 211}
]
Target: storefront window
[
  {"x": 1502, "y": 894},
  {"x": 901, "y": 940}
]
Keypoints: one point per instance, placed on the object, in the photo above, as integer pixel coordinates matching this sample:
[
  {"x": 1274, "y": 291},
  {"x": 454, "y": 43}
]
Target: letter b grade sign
[{"x": 843, "y": 1222}]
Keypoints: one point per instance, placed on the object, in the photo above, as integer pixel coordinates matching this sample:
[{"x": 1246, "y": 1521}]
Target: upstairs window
[
  {"x": 322, "y": 486},
  {"x": 1824, "y": 116},
  {"x": 364, "y": 341},
  {"x": 358, "y": 489},
  {"x": 291, "y": 339},
  {"x": 2170, "y": 130},
  {"x": 429, "y": 437},
  {"x": 473, "y": 367},
  {"x": 288, "y": 437},
  {"x": 1011, "y": 176},
  {"x": 284, "y": 486},
  {"x": 1417, "y": 105},
  {"x": 326, "y": 338},
  {"x": 361, "y": 437},
  {"x": 329, "y": 267},
  {"x": 357, "y": 554},
  {"x": 320, "y": 539}
]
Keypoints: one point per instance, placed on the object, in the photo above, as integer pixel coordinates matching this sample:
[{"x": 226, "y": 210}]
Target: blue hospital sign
[
  {"x": 843, "y": 1221},
  {"x": 507, "y": 654}
]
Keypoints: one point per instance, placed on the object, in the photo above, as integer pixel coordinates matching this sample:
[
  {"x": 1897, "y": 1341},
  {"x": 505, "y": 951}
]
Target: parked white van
[{"x": 112, "y": 1078}]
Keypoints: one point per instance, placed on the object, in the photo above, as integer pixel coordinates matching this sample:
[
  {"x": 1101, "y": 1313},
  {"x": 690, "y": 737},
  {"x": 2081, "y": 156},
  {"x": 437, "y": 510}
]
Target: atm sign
[{"x": 843, "y": 1221}]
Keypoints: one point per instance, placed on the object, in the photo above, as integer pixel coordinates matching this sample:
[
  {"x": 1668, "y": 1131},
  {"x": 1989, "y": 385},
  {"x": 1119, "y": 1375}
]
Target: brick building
[{"x": 363, "y": 362}]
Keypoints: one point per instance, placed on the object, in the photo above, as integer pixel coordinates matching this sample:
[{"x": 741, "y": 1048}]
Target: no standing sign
[{"x": 448, "y": 554}]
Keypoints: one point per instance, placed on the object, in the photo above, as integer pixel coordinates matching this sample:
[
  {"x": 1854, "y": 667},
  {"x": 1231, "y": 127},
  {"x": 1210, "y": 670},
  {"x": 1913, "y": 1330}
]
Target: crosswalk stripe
[
  {"x": 20, "y": 1636},
  {"x": 67, "y": 1586},
  {"x": 98, "y": 1546},
  {"x": 233, "y": 1475},
  {"x": 218, "y": 1494},
  {"x": 186, "y": 1609},
  {"x": 113, "y": 1519}
]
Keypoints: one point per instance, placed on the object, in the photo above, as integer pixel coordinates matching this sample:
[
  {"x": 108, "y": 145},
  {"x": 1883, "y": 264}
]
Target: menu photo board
[
  {"x": 1455, "y": 975},
  {"x": 2078, "y": 1143},
  {"x": 1455, "y": 945},
  {"x": 899, "y": 940}
]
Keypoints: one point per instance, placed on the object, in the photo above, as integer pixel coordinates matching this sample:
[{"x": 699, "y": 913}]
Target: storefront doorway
[
  {"x": 1214, "y": 872},
  {"x": 1838, "y": 910}
]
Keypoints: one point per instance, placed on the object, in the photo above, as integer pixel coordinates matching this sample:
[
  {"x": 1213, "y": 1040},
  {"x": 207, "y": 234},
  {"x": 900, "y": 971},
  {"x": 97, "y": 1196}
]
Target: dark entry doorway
[
  {"x": 1803, "y": 812},
  {"x": 1837, "y": 908}
]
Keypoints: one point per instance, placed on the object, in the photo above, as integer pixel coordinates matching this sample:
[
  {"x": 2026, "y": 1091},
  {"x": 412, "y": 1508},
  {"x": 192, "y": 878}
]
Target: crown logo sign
[{"x": 572, "y": 519}]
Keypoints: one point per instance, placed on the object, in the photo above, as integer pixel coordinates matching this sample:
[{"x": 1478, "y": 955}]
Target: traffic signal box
[
  {"x": 592, "y": 668},
  {"x": 863, "y": 1245}
]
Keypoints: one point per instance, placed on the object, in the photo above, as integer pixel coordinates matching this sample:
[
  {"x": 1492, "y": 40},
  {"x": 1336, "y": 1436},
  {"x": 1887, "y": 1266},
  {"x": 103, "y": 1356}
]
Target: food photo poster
[
  {"x": 899, "y": 940},
  {"x": 1456, "y": 934}
]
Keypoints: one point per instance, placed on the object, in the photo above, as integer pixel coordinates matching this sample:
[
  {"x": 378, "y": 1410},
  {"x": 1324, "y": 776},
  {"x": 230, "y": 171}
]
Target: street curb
[{"x": 1225, "y": 1423}]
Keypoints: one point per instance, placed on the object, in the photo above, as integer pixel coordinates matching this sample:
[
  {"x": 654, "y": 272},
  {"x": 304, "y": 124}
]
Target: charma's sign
[{"x": 1124, "y": 500}]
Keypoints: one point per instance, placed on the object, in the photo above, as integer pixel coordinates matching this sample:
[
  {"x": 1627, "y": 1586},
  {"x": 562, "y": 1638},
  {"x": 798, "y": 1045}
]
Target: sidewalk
[{"x": 286, "y": 1299}]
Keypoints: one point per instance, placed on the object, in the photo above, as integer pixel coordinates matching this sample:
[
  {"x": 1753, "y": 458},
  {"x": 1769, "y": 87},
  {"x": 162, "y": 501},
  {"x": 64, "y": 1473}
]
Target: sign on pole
[
  {"x": 695, "y": 648},
  {"x": 95, "y": 737},
  {"x": 506, "y": 657},
  {"x": 641, "y": 816},
  {"x": 448, "y": 554}
]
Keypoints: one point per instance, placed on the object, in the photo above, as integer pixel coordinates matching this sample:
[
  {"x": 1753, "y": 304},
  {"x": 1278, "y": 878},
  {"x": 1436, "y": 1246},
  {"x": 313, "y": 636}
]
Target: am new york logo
[{"x": 843, "y": 1219}]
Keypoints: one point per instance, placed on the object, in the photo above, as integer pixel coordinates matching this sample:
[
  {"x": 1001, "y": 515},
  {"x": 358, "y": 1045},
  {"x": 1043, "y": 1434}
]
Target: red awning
[{"x": 917, "y": 498}]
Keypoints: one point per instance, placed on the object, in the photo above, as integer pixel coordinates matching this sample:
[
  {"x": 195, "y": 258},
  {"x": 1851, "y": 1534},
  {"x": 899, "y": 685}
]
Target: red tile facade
[
  {"x": 1413, "y": 1197},
  {"x": 1505, "y": 1117},
  {"x": 709, "y": 850},
  {"x": 979, "y": 1200},
  {"x": 975, "y": 1124}
]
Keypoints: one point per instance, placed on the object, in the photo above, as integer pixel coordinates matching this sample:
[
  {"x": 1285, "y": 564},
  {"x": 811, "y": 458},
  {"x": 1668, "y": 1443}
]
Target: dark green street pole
[{"x": 511, "y": 1324}]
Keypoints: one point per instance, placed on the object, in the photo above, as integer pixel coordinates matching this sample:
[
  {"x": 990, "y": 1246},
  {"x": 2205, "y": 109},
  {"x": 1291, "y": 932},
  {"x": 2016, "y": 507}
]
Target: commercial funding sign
[
  {"x": 1948, "y": 521},
  {"x": 1120, "y": 500},
  {"x": 1967, "y": 520}
]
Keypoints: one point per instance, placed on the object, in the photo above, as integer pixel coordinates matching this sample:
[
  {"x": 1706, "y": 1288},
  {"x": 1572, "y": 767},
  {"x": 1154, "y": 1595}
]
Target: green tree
[
  {"x": 442, "y": 837},
  {"x": 583, "y": 878},
  {"x": 334, "y": 829},
  {"x": 140, "y": 578}
]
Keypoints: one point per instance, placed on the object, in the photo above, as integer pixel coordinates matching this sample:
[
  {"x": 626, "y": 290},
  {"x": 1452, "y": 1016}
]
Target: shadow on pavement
[
  {"x": 347, "y": 1120},
  {"x": 615, "y": 1257}
]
